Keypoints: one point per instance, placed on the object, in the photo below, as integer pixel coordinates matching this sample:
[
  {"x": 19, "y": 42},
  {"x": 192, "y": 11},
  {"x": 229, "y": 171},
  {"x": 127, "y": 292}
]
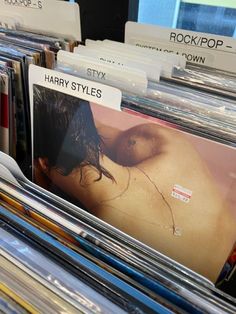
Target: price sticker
[{"x": 182, "y": 194}]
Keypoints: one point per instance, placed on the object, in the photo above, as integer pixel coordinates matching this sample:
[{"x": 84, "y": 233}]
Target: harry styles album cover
[{"x": 174, "y": 191}]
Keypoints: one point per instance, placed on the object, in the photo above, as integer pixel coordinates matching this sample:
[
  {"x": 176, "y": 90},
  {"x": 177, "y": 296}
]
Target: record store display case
[{"x": 117, "y": 157}]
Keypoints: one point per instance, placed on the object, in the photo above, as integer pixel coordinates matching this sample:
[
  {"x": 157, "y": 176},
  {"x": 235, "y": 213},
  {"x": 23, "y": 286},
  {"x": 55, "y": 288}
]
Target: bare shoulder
[
  {"x": 149, "y": 129},
  {"x": 146, "y": 141}
]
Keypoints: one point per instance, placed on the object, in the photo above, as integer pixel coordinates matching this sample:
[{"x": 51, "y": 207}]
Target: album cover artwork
[
  {"x": 4, "y": 113},
  {"x": 29, "y": 294},
  {"x": 55, "y": 276},
  {"x": 171, "y": 190}
]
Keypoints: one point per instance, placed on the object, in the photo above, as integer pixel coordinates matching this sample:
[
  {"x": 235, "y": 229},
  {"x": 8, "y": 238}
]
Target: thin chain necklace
[{"x": 176, "y": 230}]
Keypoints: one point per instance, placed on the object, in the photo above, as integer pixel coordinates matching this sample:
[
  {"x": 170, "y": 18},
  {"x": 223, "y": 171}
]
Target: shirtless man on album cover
[{"x": 127, "y": 178}]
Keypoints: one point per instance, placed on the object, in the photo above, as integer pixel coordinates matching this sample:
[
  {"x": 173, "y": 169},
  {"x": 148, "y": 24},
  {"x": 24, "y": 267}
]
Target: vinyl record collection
[{"x": 117, "y": 177}]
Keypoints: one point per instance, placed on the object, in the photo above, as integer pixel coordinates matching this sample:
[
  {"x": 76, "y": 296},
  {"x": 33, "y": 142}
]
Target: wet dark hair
[{"x": 65, "y": 132}]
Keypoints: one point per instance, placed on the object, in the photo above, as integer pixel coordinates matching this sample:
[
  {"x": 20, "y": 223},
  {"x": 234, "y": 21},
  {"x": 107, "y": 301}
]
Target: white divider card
[
  {"x": 125, "y": 78},
  {"x": 158, "y": 55},
  {"x": 199, "y": 48},
  {"x": 78, "y": 87},
  {"x": 57, "y": 18},
  {"x": 113, "y": 57},
  {"x": 167, "y": 61}
]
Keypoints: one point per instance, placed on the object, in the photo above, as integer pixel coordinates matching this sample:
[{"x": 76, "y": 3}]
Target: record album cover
[
  {"x": 171, "y": 190},
  {"x": 4, "y": 113}
]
